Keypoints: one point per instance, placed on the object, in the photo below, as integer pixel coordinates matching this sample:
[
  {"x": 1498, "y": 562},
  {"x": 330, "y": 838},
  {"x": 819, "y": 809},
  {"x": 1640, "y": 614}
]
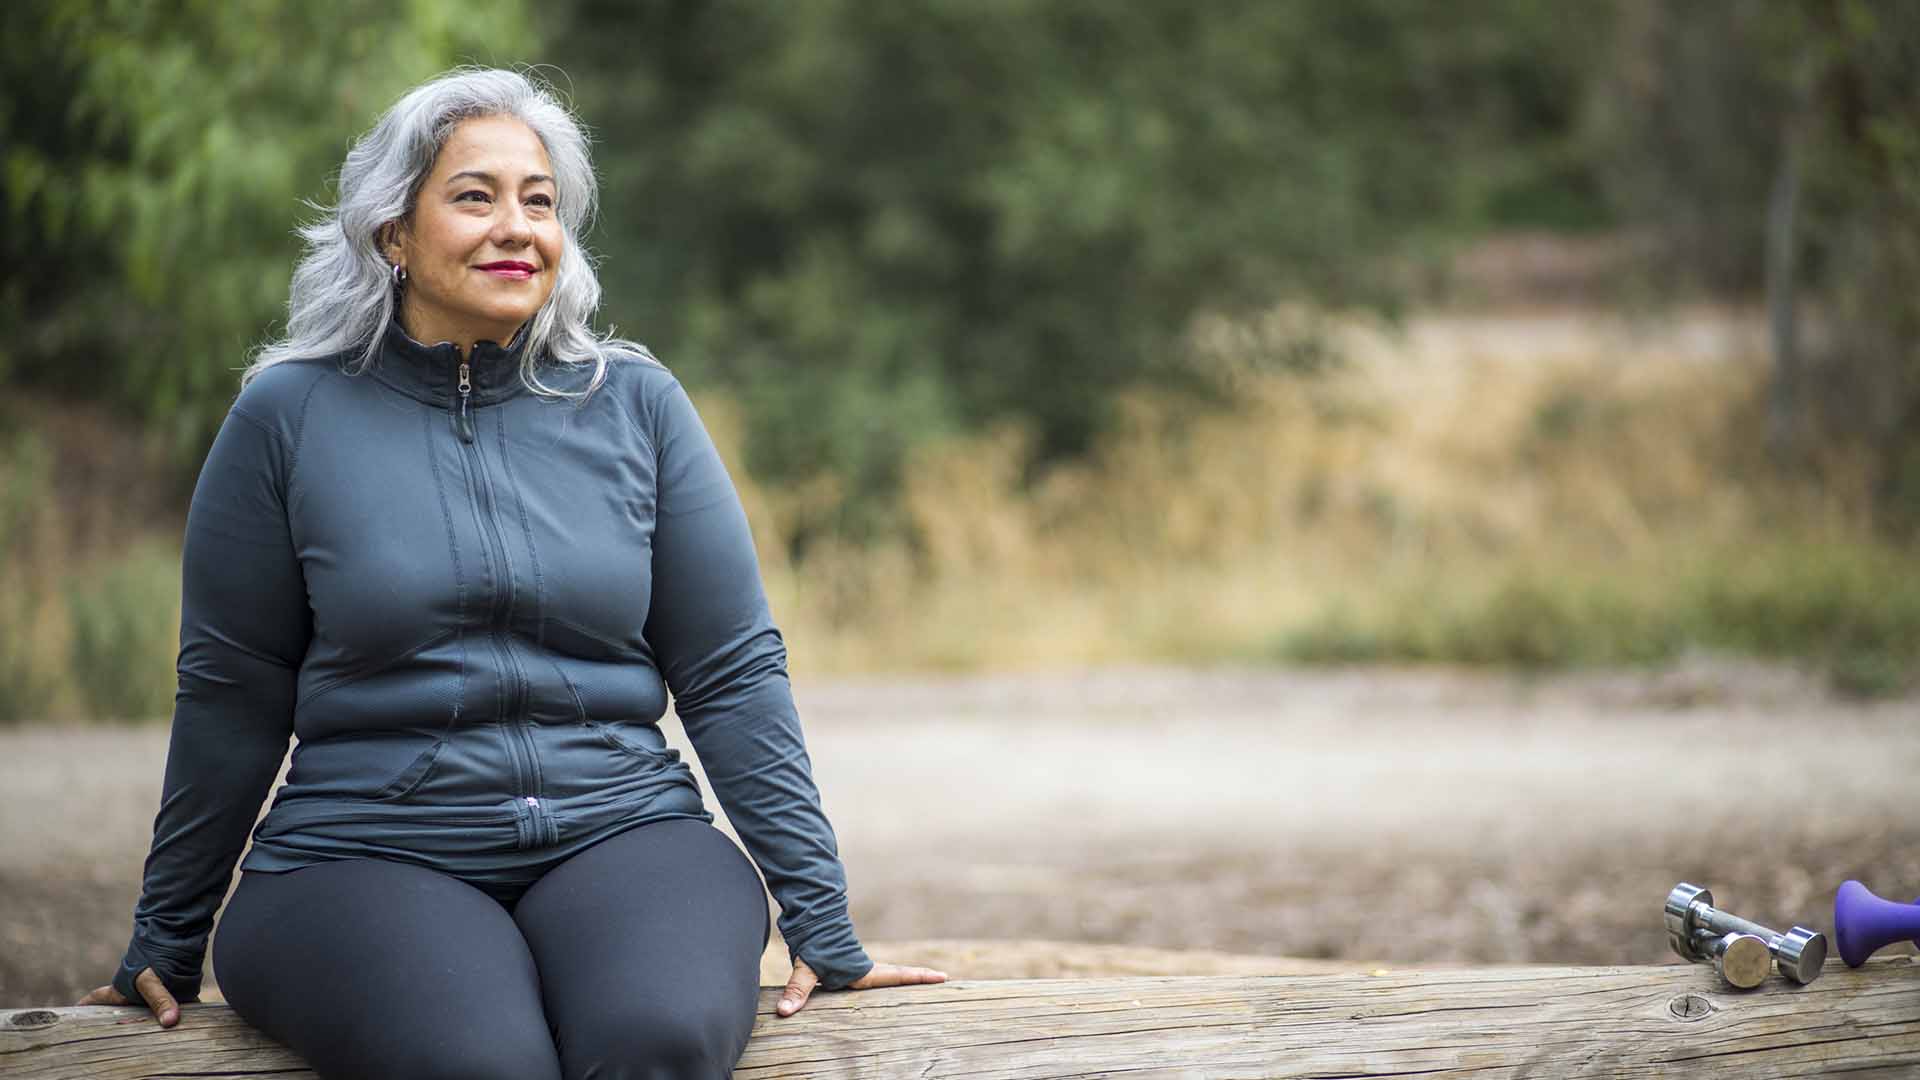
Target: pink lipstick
[{"x": 511, "y": 269}]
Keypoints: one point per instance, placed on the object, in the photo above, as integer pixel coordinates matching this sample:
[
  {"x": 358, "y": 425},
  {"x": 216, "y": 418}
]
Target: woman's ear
[{"x": 388, "y": 237}]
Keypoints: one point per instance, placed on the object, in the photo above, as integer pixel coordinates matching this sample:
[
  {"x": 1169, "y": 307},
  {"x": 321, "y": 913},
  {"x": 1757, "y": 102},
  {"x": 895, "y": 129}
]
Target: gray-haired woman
[{"x": 462, "y": 548}]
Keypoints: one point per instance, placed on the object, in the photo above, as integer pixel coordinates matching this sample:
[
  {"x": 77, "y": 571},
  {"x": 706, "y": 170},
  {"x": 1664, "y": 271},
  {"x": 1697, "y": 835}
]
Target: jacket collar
[{"x": 431, "y": 373}]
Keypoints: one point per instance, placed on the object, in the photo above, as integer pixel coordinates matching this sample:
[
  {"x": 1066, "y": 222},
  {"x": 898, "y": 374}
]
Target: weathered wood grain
[{"x": 1482, "y": 1022}]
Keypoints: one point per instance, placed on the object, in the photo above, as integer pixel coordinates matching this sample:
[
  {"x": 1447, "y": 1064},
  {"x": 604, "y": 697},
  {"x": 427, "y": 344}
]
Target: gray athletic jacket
[{"x": 469, "y": 602}]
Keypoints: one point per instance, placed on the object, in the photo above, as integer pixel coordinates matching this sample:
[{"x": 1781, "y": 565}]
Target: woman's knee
[{"x": 687, "y": 1042}]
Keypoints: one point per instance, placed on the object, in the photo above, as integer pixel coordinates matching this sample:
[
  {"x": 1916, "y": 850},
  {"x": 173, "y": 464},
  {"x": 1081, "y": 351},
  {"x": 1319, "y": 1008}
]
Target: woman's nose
[{"x": 512, "y": 227}]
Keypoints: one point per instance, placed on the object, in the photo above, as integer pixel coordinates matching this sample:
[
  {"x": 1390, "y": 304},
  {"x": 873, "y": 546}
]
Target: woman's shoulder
[
  {"x": 277, "y": 394},
  {"x": 637, "y": 377},
  {"x": 633, "y": 360}
]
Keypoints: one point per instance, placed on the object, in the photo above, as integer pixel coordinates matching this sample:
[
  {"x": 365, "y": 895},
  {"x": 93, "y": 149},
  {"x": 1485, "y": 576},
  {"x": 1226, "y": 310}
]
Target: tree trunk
[
  {"x": 1786, "y": 404},
  {"x": 1498, "y": 1022}
]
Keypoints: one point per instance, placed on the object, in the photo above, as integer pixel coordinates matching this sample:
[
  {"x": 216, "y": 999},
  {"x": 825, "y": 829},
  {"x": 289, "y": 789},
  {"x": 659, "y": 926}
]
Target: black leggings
[{"x": 637, "y": 957}]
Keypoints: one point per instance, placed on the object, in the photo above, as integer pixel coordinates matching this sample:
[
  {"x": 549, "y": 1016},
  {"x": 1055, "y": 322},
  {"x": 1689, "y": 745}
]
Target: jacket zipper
[
  {"x": 544, "y": 829},
  {"x": 516, "y": 700},
  {"x": 463, "y": 423}
]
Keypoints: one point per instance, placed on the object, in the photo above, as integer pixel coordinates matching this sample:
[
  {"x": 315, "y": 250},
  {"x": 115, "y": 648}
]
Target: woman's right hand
[{"x": 165, "y": 1009}]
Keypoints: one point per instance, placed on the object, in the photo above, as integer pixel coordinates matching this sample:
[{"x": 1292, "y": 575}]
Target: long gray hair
[{"x": 343, "y": 297}]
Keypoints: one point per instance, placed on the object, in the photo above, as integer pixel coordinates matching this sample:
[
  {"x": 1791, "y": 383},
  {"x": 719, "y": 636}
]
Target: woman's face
[{"x": 483, "y": 243}]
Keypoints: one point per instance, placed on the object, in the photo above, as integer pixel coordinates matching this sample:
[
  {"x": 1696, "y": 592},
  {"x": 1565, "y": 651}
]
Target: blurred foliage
[
  {"x": 126, "y": 626},
  {"x": 27, "y": 683},
  {"x": 89, "y": 565},
  {"x": 152, "y": 162},
  {"x": 917, "y": 231},
  {"x": 878, "y": 223},
  {"x": 1852, "y": 610},
  {"x": 1704, "y": 110}
]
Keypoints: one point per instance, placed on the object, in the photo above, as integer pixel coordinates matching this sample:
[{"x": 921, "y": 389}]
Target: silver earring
[{"x": 399, "y": 274}]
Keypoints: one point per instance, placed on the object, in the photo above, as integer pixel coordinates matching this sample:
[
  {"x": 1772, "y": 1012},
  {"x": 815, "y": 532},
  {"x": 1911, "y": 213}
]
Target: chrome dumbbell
[
  {"x": 1800, "y": 952},
  {"x": 1743, "y": 960}
]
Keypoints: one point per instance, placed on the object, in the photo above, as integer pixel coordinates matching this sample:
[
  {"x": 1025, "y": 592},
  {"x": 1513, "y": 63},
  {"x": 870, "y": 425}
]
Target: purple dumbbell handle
[{"x": 1863, "y": 923}]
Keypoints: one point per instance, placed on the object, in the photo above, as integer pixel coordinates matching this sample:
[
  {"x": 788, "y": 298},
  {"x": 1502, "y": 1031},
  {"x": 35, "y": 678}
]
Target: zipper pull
[{"x": 461, "y": 422}]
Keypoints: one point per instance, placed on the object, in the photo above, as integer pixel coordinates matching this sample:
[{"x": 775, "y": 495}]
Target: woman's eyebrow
[{"x": 477, "y": 174}]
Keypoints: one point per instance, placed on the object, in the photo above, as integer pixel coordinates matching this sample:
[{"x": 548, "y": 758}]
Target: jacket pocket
[
  {"x": 415, "y": 774},
  {"x": 368, "y": 669},
  {"x": 572, "y": 639},
  {"x": 608, "y": 732},
  {"x": 364, "y": 766}
]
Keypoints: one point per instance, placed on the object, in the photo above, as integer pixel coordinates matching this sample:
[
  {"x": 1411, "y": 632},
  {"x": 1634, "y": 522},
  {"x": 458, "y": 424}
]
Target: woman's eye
[
  {"x": 542, "y": 200},
  {"x": 475, "y": 192}
]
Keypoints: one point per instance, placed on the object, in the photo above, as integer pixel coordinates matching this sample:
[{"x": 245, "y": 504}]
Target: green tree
[
  {"x": 871, "y": 222},
  {"x": 879, "y": 221},
  {"x": 1777, "y": 145},
  {"x": 155, "y": 158}
]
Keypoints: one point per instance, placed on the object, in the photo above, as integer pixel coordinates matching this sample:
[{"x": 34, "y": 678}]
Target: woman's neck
[{"x": 424, "y": 328}]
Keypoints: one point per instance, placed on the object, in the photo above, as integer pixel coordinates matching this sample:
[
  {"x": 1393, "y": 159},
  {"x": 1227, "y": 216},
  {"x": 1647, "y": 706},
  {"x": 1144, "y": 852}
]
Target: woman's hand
[
  {"x": 165, "y": 1009},
  {"x": 804, "y": 980}
]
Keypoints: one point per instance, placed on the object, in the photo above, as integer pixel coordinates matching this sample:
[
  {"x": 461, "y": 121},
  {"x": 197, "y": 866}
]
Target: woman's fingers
[
  {"x": 898, "y": 975},
  {"x": 798, "y": 988},
  {"x": 158, "y": 999},
  {"x": 801, "y": 985},
  {"x": 104, "y": 995},
  {"x": 165, "y": 1009}
]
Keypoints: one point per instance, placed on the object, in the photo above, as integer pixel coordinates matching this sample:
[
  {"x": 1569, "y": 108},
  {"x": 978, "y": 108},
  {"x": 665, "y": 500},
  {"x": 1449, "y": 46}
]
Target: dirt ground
[{"x": 1156, "y": 820}]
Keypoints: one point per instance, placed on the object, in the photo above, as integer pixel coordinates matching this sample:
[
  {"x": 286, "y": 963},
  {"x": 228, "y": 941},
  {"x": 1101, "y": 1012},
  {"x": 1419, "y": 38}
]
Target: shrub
[{"x": 125, "y": 634}]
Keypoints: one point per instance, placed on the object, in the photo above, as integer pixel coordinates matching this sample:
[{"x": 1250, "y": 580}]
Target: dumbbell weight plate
[{"x": 1746, "y": 961}]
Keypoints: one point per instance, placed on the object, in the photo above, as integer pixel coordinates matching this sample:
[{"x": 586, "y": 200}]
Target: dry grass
[
  {"x": 1535, "y": 487},
  {"x": 89, "y": 564},
  {"x": 1567, "y": 451}
]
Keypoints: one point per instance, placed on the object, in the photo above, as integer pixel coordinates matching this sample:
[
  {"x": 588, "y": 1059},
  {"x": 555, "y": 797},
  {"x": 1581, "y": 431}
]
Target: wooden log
[{"x": 1487, "y": 1022}]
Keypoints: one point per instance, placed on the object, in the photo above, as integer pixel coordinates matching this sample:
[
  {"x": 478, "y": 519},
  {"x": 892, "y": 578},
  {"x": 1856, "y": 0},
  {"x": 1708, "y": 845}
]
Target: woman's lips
[{"x": 512, "y": 271}]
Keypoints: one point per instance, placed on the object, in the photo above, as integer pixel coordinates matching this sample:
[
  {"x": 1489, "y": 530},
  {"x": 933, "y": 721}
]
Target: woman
[{"x": 466, "y": 574}]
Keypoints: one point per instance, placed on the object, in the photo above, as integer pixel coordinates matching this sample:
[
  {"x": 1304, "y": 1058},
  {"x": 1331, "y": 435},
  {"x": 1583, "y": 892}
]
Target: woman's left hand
[{"x": 804, "y": 980}]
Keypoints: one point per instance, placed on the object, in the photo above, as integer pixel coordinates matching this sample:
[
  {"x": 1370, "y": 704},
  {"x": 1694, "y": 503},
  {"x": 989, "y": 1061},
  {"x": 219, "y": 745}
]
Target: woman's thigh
[
  {"x": 369, "y": 969},
  {"x": 649, "y": 945}
]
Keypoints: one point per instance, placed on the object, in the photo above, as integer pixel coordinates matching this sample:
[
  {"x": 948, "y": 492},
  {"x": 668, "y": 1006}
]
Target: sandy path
[{"x": 1360, "y": 817}]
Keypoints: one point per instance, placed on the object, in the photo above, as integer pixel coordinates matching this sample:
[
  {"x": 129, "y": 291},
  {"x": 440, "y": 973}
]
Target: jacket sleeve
[
  {"x": 711, "y": 631},
  {"x": 244, "y": 627}
]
